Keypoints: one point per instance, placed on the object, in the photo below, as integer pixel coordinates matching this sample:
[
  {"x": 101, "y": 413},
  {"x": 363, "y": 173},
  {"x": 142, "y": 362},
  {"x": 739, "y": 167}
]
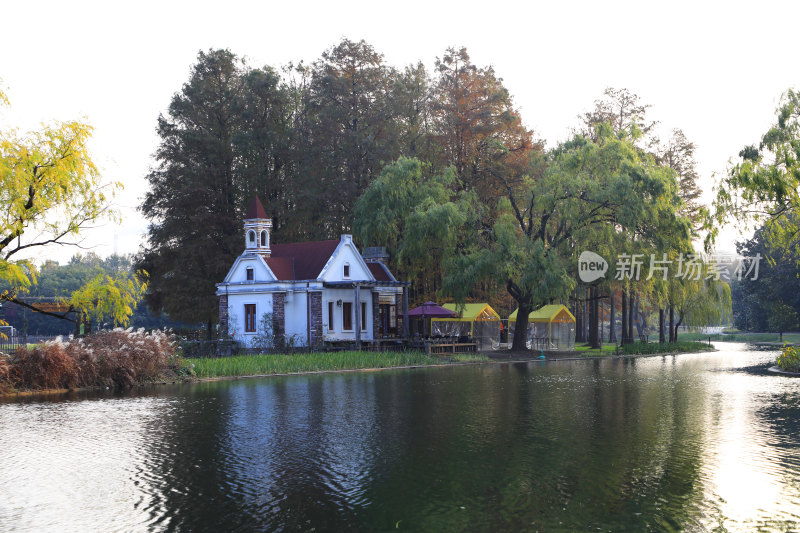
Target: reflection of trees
[
  {"x": 485, "y": 447},
  {"x": 182, "y": 463},
  {"x": 781, "y": 414},
  {"x": 591, "y": 443}
]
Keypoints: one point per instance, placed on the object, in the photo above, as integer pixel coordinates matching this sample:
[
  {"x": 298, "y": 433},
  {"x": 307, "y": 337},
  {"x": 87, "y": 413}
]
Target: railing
[{"x": 10, "y": 345}]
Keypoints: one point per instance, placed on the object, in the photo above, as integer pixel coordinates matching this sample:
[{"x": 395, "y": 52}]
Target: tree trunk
[
  {"x": 598, "y": 335},
  {"x": 661, "y": 337},
  {"x": 631, "y": 302},
  {"x": 624, "y": 332},
  {"x": 593, "y": 322},
  {"x": 612, "y": 325},
  {"x": 602, "y": 320},
  {"x": 586, "y": 315},
  {"x": 521, "y": 328},
  {"x": 640, "y": 322},
  {"x": 589, "y": 302},
  {"x": 210, "y": 330},
  {"x": 678, "y": 325},
  {"x": 578, "y": 318},
  {"x": 671, "y": 323}
]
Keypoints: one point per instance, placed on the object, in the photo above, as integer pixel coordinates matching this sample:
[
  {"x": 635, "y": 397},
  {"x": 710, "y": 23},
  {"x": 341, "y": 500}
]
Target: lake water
[{"x": 688, "y": 442}]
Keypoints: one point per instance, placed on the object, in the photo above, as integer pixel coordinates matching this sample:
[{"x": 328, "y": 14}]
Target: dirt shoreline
[{"x": 494, "y": 358}]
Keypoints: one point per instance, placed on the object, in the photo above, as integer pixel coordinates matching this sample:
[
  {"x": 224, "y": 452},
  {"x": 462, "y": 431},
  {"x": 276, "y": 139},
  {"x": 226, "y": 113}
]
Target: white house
[{"x": 315, "y": 292}]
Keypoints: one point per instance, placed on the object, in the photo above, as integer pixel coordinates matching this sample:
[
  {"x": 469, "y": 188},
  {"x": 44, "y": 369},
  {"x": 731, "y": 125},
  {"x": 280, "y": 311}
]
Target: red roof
[
  {"x": 256, "y": 210},
  {"x": 380, "y": 272},
  {"x": 300, "y": 260}
]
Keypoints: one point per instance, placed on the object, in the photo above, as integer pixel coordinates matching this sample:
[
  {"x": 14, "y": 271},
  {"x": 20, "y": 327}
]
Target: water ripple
[{"x": 691, "y": 442}]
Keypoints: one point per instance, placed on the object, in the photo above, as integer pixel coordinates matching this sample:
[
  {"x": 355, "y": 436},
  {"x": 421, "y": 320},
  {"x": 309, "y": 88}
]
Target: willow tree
[
  {"x": 415, "y": 213},
  {"x": 50, "y": 190},
  {"x": 697, "y": 301},
  {"x": 548, "y": 214},
  {"x": 764, "y": 184}
]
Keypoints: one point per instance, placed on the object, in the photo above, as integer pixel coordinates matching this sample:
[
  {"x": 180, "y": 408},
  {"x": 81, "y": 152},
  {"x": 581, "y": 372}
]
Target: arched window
[
  {"x": 263, "y": 238},
  {"x": 251, "y": 236}
]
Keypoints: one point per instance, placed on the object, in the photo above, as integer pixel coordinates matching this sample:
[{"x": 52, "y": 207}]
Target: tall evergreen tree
[
  {"x": 220, "y": 141},
  {"x": 347, "y": 132}
]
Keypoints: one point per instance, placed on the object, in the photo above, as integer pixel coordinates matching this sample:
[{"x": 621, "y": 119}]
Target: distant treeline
[
  {"x": 61, "y": 281},
  {"x": 772, "y": 301}
]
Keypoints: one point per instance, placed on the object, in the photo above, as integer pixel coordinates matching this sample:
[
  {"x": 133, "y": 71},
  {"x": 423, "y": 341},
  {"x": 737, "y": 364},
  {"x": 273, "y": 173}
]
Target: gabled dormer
[
  {"x": 346, "y": 264},
  {"x": 257, "y": 229}
]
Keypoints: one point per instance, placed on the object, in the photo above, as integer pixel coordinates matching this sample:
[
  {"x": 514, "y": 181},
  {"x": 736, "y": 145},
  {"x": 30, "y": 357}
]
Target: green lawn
[
  {"x": 607, "y": 349},
  {"x": 638, "y": 348},
  {"x": 646, "y": 348}
]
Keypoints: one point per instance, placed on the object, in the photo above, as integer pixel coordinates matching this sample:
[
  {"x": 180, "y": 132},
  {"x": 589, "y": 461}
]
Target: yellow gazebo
[
  {"x": 478, "y": 321},
  {"x": 551, "y": 327}
]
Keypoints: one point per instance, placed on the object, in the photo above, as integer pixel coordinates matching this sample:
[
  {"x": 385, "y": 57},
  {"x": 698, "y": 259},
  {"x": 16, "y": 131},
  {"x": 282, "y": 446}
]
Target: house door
[{"x": 386, "y": 320}]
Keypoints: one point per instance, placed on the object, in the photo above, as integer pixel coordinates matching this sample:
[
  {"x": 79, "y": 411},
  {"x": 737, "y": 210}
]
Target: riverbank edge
[
  {"x": 778, "y": 370},
  {"x": 491, "y": 361}
]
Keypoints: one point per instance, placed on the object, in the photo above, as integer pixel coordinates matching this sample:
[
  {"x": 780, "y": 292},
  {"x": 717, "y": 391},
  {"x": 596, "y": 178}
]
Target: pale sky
[{"x": 715, "y": 70}]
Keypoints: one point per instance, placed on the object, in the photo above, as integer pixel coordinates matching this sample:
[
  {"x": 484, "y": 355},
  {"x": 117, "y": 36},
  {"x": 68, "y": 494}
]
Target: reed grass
[
  {"x": 118, "y": 358},
  {"x": 264, "y": 364}
]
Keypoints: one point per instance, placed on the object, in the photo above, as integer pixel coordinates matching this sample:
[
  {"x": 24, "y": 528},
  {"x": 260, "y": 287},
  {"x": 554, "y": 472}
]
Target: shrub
[
  {"x": 789, "y": 359},
  {"x": 5, "y": 375},
  {"x": 118, "y": 358},
  {"x": 47, "y": 366}
]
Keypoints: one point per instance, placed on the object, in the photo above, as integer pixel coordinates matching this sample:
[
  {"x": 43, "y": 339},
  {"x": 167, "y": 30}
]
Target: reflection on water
[{"x": 663, "y": 443}]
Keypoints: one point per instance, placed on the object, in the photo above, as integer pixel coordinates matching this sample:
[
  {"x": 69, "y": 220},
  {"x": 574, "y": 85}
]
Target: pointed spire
[{"x": 256, "y": 210}]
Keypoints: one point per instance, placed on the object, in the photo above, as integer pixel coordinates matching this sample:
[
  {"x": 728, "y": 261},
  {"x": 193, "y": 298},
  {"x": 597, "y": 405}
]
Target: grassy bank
[
  {"x": 638, "y": 348},
  {"x": 249, "y": 365},
  {"x": 607, "y": 349},
  {"x": 741, "y": 337},
  {"x": 647, "y": 348}
]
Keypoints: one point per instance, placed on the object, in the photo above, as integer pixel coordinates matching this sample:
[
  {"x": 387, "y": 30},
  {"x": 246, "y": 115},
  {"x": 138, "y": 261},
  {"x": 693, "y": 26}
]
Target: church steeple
[{"x": 257, "y": 229}]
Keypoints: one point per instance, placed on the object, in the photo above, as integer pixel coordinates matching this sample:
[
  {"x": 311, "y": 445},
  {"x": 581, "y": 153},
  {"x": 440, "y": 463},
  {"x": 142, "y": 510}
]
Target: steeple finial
[{"x": 256, "y": 210}]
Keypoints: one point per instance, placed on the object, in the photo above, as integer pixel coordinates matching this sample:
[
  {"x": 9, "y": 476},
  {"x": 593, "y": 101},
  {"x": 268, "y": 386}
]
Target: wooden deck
[{"x": 454, "y": 347}]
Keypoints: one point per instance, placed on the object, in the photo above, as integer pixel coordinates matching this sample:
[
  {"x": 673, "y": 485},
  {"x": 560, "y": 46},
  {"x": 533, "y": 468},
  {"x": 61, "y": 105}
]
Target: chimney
[{"x": 376, "y": 254}]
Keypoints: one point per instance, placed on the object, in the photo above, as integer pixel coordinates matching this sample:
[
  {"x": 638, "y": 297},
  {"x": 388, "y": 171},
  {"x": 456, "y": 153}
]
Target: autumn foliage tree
[
  {"x": 476, "y": 127},
  {"x": 50, "y": 191}
]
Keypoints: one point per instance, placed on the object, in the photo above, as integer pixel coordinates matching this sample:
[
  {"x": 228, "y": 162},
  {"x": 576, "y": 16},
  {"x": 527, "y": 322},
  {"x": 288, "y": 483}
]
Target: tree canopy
[
  {"x": 764, "y": 184},
  {"x": 437, "y": 166},
  {"x": 50, "y": 191}
]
